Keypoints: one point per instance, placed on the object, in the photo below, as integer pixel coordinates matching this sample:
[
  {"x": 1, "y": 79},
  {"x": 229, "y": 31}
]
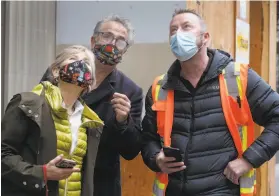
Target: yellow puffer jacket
[{"x": 72, "y": 185}]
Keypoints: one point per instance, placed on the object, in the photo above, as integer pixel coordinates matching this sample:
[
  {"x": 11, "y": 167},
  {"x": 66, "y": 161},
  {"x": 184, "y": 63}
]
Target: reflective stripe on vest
[
  {"x": 164, "y": 106},
  {"x": 233, "y": 84}
]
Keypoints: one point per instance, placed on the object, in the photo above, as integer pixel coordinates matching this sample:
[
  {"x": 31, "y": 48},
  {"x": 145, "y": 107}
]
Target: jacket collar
[
  {"x": 112, "y": 76},
  {"x": 219, "y": 61},
  {"x": 51, "y": 93},
  {"x": 106, "y": 88}
]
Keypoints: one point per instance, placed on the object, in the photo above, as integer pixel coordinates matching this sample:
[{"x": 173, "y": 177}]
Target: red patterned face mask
[
  {"x": 107, "y": 54},
  {"x": 76, "y": 73}
]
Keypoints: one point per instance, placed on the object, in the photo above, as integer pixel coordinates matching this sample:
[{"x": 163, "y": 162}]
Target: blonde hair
[{"x": 74, "y": 53}]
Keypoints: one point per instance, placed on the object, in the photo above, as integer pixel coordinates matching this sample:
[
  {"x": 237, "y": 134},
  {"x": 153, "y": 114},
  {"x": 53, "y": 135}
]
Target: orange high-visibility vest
[{"x": 233, "y": 84}]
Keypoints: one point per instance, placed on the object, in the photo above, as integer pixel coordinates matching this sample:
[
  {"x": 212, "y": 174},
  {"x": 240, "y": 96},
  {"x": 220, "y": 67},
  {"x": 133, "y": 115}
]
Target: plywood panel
[
  {"x": 257, "y": 58},
  {"x": 263, "y": 61},
  {"x": 137, "y": 179},
  {"x": 272, "y": 82},
  {"x": 220, "y": 19}
]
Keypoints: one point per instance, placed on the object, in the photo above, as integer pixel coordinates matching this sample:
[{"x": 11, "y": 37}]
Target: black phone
[
  {"x": 66, "y": 163},
  {"x": 173, "y": 152}
]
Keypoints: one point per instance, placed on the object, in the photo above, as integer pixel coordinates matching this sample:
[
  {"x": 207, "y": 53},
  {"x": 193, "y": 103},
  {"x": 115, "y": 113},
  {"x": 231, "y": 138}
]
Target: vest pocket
[{"x": 238, "y": 111}]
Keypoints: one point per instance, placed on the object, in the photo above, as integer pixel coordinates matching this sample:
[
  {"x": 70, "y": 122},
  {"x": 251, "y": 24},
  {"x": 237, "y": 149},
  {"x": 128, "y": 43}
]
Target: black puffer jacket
[{"x": 200, "y": 131}]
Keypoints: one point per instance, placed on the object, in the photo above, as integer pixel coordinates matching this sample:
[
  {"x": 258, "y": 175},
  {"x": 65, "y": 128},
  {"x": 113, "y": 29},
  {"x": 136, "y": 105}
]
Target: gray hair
[
  {"x": 190, "y": 11},
  {"x": 115, "y": 18}
]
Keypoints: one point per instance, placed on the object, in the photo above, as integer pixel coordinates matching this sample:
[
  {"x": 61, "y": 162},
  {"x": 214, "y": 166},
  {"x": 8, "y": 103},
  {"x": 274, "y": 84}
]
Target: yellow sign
[{"x": 242, "y": 42}]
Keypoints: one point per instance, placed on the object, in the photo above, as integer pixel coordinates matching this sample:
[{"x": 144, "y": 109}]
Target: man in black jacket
[
  {"x": 118, "y": 102},
  {"x": 210, "y": 166}
]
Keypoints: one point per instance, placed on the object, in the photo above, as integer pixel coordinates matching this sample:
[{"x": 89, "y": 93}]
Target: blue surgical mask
[{"x": 183, "y": 45}]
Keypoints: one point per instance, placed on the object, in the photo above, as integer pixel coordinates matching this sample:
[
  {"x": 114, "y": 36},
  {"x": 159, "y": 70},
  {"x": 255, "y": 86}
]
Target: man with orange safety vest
[{"x": 205, "y": 106}]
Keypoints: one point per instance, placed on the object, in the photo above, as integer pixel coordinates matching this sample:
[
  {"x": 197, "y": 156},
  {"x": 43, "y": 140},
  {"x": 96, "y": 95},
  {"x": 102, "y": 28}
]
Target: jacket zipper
[
  {"x": 66, "y": 182},
  {"x": 66, "y": 187},
  {"x": 192, "y": 127},
  {"x": 70, "y": 156}
]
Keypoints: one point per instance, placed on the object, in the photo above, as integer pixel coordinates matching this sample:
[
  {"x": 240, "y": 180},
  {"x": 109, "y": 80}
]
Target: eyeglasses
[{"x": 108, "y": 37}]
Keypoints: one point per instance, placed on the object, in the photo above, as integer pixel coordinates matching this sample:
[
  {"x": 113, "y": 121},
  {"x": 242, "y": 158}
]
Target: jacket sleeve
[
  {"x": 151, "y": 144},
  {"x": 128, "y": 141},
  {"x": 264, "y": 105},
  {"x": 14, "y": 130}
]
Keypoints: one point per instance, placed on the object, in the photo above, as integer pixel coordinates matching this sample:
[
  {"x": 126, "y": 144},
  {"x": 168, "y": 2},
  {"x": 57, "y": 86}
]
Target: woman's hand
[{"x": 55, "y": 173}]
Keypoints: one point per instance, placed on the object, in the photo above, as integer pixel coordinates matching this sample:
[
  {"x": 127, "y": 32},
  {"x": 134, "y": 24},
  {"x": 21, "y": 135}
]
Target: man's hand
[
  {"x": 235, "y": 169},
  {"x": 121, "y": 105},
  {"x": 166, "y": 165},
  {"x": 55, "y": 173}
]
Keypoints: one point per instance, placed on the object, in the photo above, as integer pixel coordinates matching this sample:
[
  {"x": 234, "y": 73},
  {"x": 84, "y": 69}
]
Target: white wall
[{"x": 76, "y": 20}]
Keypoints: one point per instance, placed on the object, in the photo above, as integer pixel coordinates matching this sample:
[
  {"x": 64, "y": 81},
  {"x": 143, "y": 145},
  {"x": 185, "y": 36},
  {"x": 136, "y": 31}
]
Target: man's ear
[{"x": 206, "y": 38}]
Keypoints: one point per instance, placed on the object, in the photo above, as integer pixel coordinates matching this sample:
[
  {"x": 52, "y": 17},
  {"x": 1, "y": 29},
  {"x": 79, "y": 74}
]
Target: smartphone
[
  {"x": 173, "y": 152},
  {"x": 66, "y": 163}
]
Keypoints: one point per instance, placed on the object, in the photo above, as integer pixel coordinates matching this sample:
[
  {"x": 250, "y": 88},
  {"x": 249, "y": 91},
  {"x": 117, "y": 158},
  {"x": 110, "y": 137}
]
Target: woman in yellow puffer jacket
[{"x": 49, "y": 136}]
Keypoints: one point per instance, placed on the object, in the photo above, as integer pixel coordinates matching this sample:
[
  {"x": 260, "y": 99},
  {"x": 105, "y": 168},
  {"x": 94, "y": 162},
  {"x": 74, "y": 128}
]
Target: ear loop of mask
[
  {"x": 202, "y": 43},
  {"x": 199, "y": 35}
]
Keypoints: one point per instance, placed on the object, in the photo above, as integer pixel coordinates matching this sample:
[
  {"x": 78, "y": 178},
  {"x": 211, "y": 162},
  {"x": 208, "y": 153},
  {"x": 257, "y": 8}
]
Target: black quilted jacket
[{"x": 200, "y": 131}]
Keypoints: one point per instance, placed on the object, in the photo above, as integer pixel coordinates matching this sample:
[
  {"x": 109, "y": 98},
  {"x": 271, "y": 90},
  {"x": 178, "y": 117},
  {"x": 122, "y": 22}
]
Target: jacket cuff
[
  {"x": 253, "y": 157},
  {"x": 153, "y": 165},
  {"x": 34, "y": 182},
  {"x": 122, "y": 127}
]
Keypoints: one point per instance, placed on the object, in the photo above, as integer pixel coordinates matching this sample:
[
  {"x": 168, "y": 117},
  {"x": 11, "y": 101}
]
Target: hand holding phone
[
  {"x": 59, "y": 168},
  {"x": 66, "y": 163},
  {"x": 170, "y": 162},
  {"x": 173, "y": 152}
]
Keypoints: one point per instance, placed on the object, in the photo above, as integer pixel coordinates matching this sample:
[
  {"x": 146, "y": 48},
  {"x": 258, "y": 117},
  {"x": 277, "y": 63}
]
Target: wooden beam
[
  {"x": 263, "y": 61},
  {"x": 258, "y": 36},
  {"x": 272, "y": 43},
  {"x": 272, "y": 82}
]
